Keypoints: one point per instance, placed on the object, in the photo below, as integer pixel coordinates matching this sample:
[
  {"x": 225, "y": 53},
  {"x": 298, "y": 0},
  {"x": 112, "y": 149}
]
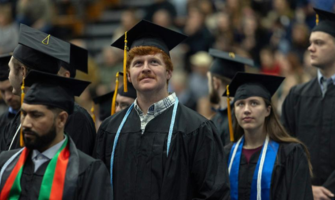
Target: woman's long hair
[{"x": 275, "y": 130}]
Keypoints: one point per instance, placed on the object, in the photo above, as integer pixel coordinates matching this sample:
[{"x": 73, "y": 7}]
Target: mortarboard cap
[
  {"x": 146, "y": 33},
  {"x": 53, "y": 90},
  {"x": 245, "y": 85},
  {"x": 227, "y": 64},
  {"x": 40, "y": 51},
  {"x": 105, "y": 102},
  {"x": 325, "y": 22},
  {"x": 4, "y": 69},
  {"x": 78, "y": 60}
]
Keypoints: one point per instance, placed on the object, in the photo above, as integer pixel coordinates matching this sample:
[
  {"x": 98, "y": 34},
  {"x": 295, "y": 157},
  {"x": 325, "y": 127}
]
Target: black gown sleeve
[
  {"x": 99, "y": 147},
  {"x": 208, "y": 164},
  {"x": 298, "y": 182},
  {"x": 330, "y": 182},
  {"x": 94, "y": 183},
  {"x": 288, "y": 116}
]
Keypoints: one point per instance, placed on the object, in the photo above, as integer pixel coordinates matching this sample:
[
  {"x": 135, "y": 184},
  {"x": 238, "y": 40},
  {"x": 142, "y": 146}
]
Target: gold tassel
[
  {"x": 231, "y": 132},
  {"x": 22, "y": 97},
  {"x": 115, "y": 93},
  {"x": 317, "y": 19},
  {"x": 125, "y": 63},
  {"x": 92, "y": 113}
]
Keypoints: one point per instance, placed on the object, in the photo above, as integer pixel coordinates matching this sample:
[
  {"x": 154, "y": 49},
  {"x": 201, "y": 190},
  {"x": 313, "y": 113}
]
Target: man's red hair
[{"x": 148, "y": 50}]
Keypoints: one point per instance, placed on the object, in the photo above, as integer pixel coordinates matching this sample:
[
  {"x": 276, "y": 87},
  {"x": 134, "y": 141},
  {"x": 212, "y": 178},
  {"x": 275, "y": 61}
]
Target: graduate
[
  {"x": 50, "y": 166},
  {"x": 158, "y": 148},
  {"x": 225, "y": 65},
  {"x": 38, "y": 51},
  {"x": 11, "y": 100},
  {"x": 264, "y": 162},
  {"x": 308, "y": 111}
]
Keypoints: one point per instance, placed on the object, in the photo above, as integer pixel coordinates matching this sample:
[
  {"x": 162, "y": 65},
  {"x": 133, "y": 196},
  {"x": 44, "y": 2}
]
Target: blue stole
[
  {"x": 173, "y": 119},
  {"x": 261, "y": 181}
]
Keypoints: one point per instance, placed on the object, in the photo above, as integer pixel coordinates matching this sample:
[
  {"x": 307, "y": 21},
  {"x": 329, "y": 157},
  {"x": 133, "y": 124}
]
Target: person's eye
[
  {"x": 240, "y": 104},
  {"x": 154, "y": 62},
  {"x": 254, "y": 103},
  {"x": 137, "y": 63}
]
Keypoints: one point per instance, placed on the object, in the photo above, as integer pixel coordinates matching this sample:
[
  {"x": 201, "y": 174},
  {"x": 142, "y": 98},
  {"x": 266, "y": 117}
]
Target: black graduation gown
[
  {"x": 311, "y": 119},
  {"x": 93, "y": 181},
  {"x": 194, "y": 169},
  {"x": 290, "y": 177},
  {"x": 5, "y": 119},
  {"x": 8, "y": 134},
  {"x": 220, "y": 119},
  {"x": 79, "y": 126}
]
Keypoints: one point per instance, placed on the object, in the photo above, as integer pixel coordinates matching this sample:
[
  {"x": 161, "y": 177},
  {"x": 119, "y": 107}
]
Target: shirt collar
[
  {"x": 50, "y": 153},
  {"x": 12, "y": 111},
  {"x": 157, "y": 107},
  {"x": 320, "y": 76}
]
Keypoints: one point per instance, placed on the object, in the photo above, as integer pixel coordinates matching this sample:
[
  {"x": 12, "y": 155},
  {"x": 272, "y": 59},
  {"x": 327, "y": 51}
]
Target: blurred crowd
[{"x": 274, "y": 33}]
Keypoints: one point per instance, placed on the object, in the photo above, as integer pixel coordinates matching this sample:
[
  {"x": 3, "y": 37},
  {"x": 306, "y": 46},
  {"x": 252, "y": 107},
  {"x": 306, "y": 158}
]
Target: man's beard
[
  {"x": 214, "y": 97},
  {"x": 39, "y": 142}
]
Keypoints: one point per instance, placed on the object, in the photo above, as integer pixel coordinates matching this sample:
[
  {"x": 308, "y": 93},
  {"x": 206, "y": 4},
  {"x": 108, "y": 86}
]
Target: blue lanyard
[
  {"x": 173, "y": 119},
  {"x": 261, "y": 181}
]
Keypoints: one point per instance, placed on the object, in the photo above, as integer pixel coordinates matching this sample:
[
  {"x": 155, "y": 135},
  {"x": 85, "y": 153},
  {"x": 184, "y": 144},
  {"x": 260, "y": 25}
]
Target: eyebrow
[{"x": 32, "y": 111}]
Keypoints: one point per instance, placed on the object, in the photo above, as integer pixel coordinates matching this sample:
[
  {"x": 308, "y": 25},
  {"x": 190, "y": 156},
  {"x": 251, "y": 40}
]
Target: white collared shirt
[
  {"x": 320, "y": 79},
  {"x": 40, "y": 158},
  {"x": 154, "y": 110}
]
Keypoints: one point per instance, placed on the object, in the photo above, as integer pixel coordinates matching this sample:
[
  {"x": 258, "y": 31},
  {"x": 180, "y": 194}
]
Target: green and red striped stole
[{"x": 53, "y": 180}]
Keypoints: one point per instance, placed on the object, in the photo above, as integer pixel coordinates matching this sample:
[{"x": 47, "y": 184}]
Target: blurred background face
[
  {"x": 214, "y": 97},
  {"x": 122, "y": 102},
  {"x": 11, "y": 99},
  {"x": 38, "y": 124},
  {"x": 162, "y": 18}
]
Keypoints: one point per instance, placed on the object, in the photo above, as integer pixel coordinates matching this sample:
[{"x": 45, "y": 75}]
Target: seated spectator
[{"x": 9, "y": 31}]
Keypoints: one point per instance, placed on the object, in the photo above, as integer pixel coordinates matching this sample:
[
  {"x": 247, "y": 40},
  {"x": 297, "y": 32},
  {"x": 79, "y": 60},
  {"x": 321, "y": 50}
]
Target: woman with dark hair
[{"x": 264, "y": 162}]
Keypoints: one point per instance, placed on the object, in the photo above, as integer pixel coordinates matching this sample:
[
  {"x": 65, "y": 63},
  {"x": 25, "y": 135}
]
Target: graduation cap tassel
[
  {"x": 115, "y": 93},
  {"x": 125, "y": 63},
  {"x": 229, "y": 117},
  {"x": 22, "y": 97},
  {"x": 92, "y": 112}
]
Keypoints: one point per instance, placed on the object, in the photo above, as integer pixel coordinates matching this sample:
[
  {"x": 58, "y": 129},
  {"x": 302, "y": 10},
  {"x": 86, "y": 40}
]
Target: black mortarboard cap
[
  {"x": 325, "y": 22},
  {"x": 245, "y": 85},
  {"x": 40, "y": 51},
  {"x": 105, "y": 105},
  {"x": 146, "y": 33},
  {"x": 52, "y": 90},
  {"x": 131, "y": 93},
  {"x": 78, "y": 60},
  {"x": 4, "y": 69},
  {"x": 227, "y": 64}
]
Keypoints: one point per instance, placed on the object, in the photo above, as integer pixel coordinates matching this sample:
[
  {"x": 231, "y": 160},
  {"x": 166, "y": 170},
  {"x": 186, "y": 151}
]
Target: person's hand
[{"x": 321, "y": 193}]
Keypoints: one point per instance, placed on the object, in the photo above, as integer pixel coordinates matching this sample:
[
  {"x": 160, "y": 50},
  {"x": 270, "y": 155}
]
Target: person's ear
[
  {"x": 268, "y": 111},
  {"x": 216, "y": 83},
  {"x": 128, "y": 76},
  {"x": 23, "y": 71},
  {"x": 62, "y": 119},
  {"x": 169, "y": 74}
]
